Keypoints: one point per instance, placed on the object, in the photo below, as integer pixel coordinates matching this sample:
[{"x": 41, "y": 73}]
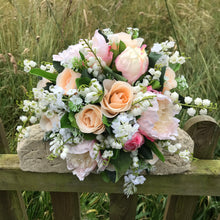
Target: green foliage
[
  {"x": 122, "y": 46},
  {"x": 83, "y": 81},
  {"x": 39, "y": 72},
  {"x": 145, "y": 152},
  {"x": 57, "y": 66},
  {"x": 154, "y": 148},
  {"x": 121, "y": 164},
  {"x": 153, "y": 57}
]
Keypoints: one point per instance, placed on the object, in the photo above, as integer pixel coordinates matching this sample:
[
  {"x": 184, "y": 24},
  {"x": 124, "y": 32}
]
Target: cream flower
[
  {"x": 80, "y": 159},
  {"x": 48, "y": 124},
  {"x": 126, "y": 38},
  {"x": 89, "y": 119},
  {"x": 117, "y": 98},
  {"x": 132, "y": 62}
]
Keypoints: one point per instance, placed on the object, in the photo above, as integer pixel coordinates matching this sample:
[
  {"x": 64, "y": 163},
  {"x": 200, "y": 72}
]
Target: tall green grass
[{"x": 37, "y": 29}]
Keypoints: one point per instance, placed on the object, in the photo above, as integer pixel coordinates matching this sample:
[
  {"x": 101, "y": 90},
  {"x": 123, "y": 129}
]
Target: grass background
[{"x": 37, "y": 29}]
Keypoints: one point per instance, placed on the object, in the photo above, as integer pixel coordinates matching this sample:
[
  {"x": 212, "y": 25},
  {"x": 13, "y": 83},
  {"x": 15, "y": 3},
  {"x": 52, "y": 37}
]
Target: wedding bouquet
[{"x": 109, "y": 104}]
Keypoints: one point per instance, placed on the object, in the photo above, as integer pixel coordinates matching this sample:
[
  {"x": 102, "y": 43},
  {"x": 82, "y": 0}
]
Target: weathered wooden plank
[
  {"x": 11, "y": 202},
  {"x": 66, "y": 205},
  {"x": 203, "y": 179},
  {"x": 205, "y": 132},
  {"x": 122, "y": 207}
]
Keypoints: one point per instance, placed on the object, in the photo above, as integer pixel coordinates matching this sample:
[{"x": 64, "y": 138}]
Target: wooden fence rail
[{"x": 184, "y": 189}]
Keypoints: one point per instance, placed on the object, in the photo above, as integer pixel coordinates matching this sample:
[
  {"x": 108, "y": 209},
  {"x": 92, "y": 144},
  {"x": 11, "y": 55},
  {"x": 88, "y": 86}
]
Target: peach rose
[
  {"x": 89, "y": 119},
  {"x": 66, "y": 79},
  {"x": 170, "y": 81},
  {"x": 117, "y": 98},
  {"x": 126, "y": 38},
  {"x": 132, "y": 62}
]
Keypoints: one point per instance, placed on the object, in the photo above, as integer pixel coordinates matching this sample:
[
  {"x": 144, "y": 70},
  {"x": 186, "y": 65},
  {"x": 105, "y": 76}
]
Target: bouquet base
[{"x": 33, "y": 153}]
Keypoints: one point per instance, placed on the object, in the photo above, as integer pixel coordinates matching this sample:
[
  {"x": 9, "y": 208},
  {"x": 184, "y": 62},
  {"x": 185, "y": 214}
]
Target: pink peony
[
  {"x": 80, "y": 159},
  {"x": 66, "y": 57},
  {"x": 132, "y": 62},
  {"x": 158, "y": 122},
  {"x": 102, "y": 48},
  {"x": 134, "y": 143}
]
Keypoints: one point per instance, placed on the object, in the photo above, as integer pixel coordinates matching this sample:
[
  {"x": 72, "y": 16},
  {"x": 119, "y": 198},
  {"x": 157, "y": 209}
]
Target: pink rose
[
  {"x": 132, "y": 62},
  {"x": 102, "y": 48},
  {"x": 158, "y": 121},
  {"x": 135, "y": 142}
]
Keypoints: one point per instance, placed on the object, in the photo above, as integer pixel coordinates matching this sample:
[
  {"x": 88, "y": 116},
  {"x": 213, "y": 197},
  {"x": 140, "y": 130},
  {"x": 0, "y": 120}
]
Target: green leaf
[
  {"x": 72, "y": 119},
  {"x": 175, "y": 66},
  {"x": 65, "y": 122},
  {"x": 82, "y": 81},
  {"x": 82, "y": 56},
  {"x": 115, "y": 54},
  {"x": 84, "y": 73},
  {"x": 145, "y": 152},
  {"x": 58, "y": 67},
  {"x": 163, "y": 70},
  {"x": 122, "y": 46},
  {"x": 89, "y": 137},
  {"x": 105, "y": 121},
  {"x": 155, "y": 84},
  {"x": 153, "y": 57},
  {"x": 50, "y": 76},
  {"x": 154, "y": 148},
  {"x": 121, "y": 164},
  {"x": 114, "y": 75},
  {"x": 108, "y": 176}
]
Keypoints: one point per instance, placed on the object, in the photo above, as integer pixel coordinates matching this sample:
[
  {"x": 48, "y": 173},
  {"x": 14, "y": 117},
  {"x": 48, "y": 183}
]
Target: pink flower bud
[{"x": 135, "y": 142}]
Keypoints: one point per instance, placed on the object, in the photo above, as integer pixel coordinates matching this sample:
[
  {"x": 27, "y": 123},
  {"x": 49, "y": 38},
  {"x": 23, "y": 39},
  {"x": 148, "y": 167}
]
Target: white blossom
[
  {"x": 188, "y": 100},
  {"x": 191, "y": 111}
]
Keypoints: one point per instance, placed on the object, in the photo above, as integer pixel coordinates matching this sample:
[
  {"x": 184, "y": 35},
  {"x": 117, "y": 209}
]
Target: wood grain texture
[
  {"x": 121, "y": 207},
  {"x": 203, "y": 179},
  {"x": 66, "y": 205},
  {"x": 205, "y": 132},
  {"x": 12, "y": 205}
]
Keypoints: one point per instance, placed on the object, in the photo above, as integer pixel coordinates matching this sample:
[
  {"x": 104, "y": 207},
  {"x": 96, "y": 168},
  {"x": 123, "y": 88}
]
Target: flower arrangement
[{"x": 109, "y": 104}]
